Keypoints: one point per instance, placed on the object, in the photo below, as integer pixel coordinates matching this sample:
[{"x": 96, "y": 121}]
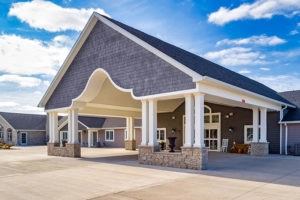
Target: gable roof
[
  {"x": 189, "y": 63},
  {"x": 293, "y": 114},
  {"x": 20, "y": 121},
  {"x": 202, "y": 66},
  {"x": 91, "y": 122}
]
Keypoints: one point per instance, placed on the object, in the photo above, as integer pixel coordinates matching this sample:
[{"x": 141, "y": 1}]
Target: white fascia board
[
  {"x": 175, "y": 63},
  {"x": 26, "y": 130},
  {"x": 168, "y": 95},
  {"x": 236, "y": 95},
  {"x": 209, "y": 79},
  {"x": 289, "y": 122},
  {"x": 83, "y": 125},
  {"x": 75, "y": 49}
]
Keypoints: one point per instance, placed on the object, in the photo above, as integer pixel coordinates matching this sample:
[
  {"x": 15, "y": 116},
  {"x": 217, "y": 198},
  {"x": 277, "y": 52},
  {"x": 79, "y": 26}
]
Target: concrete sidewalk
[{"x": 28, "y": 173}]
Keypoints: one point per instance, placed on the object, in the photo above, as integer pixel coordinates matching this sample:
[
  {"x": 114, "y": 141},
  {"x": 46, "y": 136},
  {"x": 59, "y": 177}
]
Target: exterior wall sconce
[
  {"x": 173, "y": 131},
  {"x": 229, "y": 115},
  {"x": 173, "y": 117},
  {"x": 230, "y": 129}
]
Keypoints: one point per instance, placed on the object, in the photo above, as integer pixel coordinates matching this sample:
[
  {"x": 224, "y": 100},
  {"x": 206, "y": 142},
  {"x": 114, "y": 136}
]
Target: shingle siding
[{"x": 128, "y": 64}]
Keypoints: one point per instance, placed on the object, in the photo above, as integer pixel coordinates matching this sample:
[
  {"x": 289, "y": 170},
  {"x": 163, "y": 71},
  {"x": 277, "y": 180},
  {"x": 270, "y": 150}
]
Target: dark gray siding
[
  {"x": 128, "y": 64},
  {"x": 273, "y": 132}
]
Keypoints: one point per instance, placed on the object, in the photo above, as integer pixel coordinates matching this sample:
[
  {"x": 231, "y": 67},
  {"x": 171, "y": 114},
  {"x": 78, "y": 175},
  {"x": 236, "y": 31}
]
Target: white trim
[
  {"x": 69, "y": 59},
  {"x": 109, "y": 140},
  {"x": 209, "y": 79},
  {"x": 289, "y": 122},
  {"x": 165, "y": 135},
  {"x": 94, "y": 105}
]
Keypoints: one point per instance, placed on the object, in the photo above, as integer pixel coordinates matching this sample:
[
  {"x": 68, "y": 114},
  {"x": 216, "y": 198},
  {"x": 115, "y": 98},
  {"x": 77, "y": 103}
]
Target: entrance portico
[{"x": 114, "y": 70}]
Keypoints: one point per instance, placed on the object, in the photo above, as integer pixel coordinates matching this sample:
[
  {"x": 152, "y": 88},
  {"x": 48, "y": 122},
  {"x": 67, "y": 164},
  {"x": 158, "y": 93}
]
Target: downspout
[
  {"x": 281, "y": 117},
  {"x": 286, "y": 138}
]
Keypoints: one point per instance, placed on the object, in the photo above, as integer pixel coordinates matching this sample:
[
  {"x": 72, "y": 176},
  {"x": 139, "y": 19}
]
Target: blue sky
[{"x": 259, "y": 39}]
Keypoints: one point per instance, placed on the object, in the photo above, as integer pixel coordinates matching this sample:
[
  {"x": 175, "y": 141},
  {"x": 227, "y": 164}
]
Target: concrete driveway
[{"x": 28, "y": 173}]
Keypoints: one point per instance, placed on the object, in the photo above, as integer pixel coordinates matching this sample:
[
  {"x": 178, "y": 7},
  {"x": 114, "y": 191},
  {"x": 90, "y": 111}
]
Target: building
[
  {"x": 290, "y": 125},
  {"x": 116, "y": 70},
  {"x": 100, "y": 131},
  {"x": 23, "y": 129}
]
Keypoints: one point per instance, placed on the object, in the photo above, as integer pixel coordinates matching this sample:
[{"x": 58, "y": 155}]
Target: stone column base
[
  {"x": 70, "y": 150},
  {"x": 188, "y": 158},
  {"x": 259, "y": 149},
  {"x": 130, "y": 145}
]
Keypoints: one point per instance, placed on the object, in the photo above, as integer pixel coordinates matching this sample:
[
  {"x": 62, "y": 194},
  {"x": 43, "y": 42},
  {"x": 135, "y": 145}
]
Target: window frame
[{"x": 109, "y": 139}]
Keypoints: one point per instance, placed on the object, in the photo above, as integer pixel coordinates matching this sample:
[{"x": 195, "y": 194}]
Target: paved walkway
[{"x": 27, "y": 173}]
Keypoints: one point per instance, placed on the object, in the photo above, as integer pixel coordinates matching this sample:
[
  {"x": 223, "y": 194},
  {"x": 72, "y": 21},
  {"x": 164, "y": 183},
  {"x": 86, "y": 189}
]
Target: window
[
  {"x": 64, "y": 135},
  {"x": 1, "y": 133},
  {"x": 248, "y": 133},
  {"x": 109, "y": 135},
  {"x": 161, "y": 135},
  {"x": 9, "y": 135}
]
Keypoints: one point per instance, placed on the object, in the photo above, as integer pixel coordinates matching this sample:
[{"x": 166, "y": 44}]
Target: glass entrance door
[{"x": 211, "y": 139}]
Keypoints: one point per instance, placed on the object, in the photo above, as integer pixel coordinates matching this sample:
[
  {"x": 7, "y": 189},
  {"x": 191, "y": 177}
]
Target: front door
[
  {"x": 212, "y": 127},
  {"x": 23, "y": 138}
]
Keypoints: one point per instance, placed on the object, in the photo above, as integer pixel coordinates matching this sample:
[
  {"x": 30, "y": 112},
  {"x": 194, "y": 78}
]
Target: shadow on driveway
[{"x": 275, "y": 169}]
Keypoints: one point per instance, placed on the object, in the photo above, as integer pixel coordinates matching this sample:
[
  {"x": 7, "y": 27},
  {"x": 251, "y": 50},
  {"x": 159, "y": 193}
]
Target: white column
[
  {"x": 75, "y": 126},
  {"x": 199, "y": 120},
  {"x": 70, "y": 124},
  {"x": 280, "y": 139},
  {"x": 55, "y": 126},
  {"x": 90, "y": 138},
  {"x": 189, "y": 121},
  {"x": 255, "y": 124},
  {"x": 263, "y": 125},
  {"x": 130, "y": 128},
  {"x": 152, "y": 122},
  {"x": 50, "y": 128},
  {"x": 145, "y": 123}
]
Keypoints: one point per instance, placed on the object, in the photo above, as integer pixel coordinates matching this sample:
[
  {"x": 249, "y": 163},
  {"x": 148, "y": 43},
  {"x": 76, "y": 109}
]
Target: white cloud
[
  {"x": 27, "y": 57},
  {"x": 261, "y": 40},
  {"x": 8, "y": 104},
  {"x": 23, "y": 101},
  {"x": 280, "y": 83},
  {"x": 257, "y": 10},
  {"x": 51, "y": 17},
  {"x": 244, "y": 71},
  {"x": 20, "y": 80},
  {"x": 294, "y": 32},
  {"x": 265, "y": 69},
  {"x": 236, "y": 56}
]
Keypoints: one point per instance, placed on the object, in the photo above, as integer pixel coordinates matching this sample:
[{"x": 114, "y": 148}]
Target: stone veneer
[
  {"x": 70, "y": 150},
  {"x": 188, "y": 158},
  {"x": 259, "y": 149},
  {"x": 130, "y": 145}
]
